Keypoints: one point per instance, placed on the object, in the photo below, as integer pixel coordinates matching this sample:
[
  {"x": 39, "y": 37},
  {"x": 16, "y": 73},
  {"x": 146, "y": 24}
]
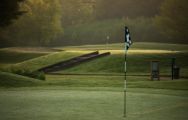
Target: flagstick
[
  {"x": 125, "y": 84},
  {"x": 127, "y": 45}
]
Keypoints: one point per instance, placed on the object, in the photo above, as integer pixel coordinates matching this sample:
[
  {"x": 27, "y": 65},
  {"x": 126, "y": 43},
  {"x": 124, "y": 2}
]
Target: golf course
[{"x": 93, "y": 90}]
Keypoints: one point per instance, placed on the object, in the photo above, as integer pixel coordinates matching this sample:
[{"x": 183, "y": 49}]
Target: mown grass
[
  {"x": 96, "y": 97},
  {"x": 115, "y": 81},
  {"x": 13, "y": 80},
  {"x": 59, "y": 104},
  {"x": 135, "y": 46}
]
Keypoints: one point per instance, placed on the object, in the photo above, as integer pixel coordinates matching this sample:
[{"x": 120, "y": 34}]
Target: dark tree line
[
  {"x": 43, "y": 21},
  {"x": 9, "y": 10},
  {"x": 108, "y": 9}
]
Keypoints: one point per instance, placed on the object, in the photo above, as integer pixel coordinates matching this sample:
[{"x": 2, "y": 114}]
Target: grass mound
[
  {"x": 13, "y": 80},
  {"x": 8, "y": 57},
  {"x": 43, "y": 61},
  {"x": 138, "y": 60},
  {"x": 137, "y": 64}
]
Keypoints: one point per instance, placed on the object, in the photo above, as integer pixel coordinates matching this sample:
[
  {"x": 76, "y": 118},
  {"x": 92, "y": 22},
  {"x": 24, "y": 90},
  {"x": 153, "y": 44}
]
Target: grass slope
[
  {"x": 13, "y": 57},
  {"x": 96, "y": 97},
  {"x": 139, "y": 57},
  {"x": 37, "y": 63},
  {"x": 13, "y": 80}
]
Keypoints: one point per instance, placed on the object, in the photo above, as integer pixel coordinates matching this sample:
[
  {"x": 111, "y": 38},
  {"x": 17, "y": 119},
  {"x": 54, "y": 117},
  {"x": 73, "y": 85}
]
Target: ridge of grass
[
  {"x": 14, "y": 80},
  {"x": 43, "y": 61}
]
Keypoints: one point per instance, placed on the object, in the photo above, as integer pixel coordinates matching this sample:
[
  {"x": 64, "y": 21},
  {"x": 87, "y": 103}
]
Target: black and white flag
[{"x": 128, "y": 41}]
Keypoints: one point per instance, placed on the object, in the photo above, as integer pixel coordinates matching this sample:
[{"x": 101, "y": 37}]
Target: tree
[
  {"x": 173, "y": 19},
  {"x": 107, "y": 9},
  {"x": 76, "y": 12},
  {"x": 40, "y": 26},
  {"x": 9, "y": 10}
]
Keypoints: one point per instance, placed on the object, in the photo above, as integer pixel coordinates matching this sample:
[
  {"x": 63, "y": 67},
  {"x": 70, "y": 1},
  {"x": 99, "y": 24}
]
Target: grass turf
[
  {"x": 136, "y": 64},
  {"x": 13, "y": 80},
  {"x": 13, "y": 57},
  {"x": 37, "y": 63},
  {"x": 138, "y": 60},
  {"x": 49, "y": 104},
  {"x": 71, "y": 97},
  {"x": 114, "y": 81},
  {"x": 135, "y": 46}
]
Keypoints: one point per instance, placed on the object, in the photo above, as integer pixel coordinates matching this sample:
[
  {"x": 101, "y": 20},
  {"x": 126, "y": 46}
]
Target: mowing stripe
[{"x": 160, "y": 109}]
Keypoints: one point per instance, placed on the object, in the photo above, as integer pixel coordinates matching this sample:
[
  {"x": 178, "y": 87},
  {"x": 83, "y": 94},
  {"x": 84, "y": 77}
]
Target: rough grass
[
  {"x": 12, "y": 80},
  {"x": 138, "y": 60},
  {"x": 13, "y": 57},
  {"x": 137, "y": 64},
  {"x": 37, "y": 63},
  {"x": 140, "y": 55}
]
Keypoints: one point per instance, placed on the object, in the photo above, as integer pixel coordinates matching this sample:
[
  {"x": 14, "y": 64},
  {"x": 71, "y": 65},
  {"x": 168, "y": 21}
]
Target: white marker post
[{"x": 107, "y": 41}]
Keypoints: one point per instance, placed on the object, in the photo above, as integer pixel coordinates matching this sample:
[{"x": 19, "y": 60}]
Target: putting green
[{"x": 91, "y": 104}]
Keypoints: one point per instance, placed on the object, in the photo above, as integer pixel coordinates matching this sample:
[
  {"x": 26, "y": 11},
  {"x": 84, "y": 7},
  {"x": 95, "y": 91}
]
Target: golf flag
[{"x": 128, "y": 41}]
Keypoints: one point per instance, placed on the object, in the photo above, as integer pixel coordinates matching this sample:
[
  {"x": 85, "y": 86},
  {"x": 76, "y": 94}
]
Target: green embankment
[
  {"x": 138, "y": 60},
  {"x": 37, "y": 63},
  {"x": 98, "y": 97},
  {"x": 13, "y": 80},
  {"x": 13, "y": 57}
]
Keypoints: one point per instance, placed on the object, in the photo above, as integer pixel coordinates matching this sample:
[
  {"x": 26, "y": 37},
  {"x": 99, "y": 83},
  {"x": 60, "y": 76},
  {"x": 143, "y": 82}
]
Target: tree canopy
[
  {"x": 173, "y": 19},
  {"x": 106, "y": 9},
  {"x": 39, "y": 26},
  {"x": 65, "y": 22},
  {"x": 9, "y": 10}
]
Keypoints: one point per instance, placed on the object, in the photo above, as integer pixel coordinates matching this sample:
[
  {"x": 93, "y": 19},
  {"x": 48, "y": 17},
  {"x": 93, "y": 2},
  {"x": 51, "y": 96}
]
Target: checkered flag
[{"x": 128, "y": 41}]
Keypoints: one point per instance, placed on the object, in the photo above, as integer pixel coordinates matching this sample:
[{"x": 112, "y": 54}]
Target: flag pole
[
  {"x": 128, "y": 43},
  {"x": 125, "y": 84},
  {"x": 125, "y": 75}
]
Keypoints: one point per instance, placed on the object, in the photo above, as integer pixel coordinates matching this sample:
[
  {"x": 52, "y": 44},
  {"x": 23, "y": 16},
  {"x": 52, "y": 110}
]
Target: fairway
[
  {"x": 93, "y": 60},
  {"x": 90, "y": 104},
  {"x": 94, "y": 90}
]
